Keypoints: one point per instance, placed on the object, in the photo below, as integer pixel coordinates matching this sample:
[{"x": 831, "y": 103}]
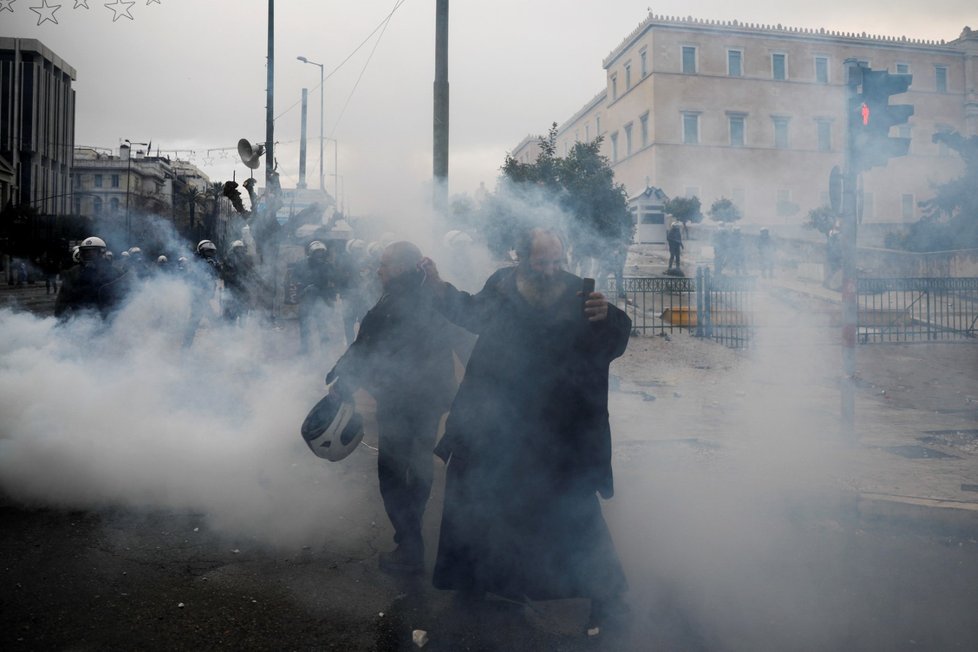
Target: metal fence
[
  {"x": 916, "y": 309},
  {"x": 715, "y": 307}
]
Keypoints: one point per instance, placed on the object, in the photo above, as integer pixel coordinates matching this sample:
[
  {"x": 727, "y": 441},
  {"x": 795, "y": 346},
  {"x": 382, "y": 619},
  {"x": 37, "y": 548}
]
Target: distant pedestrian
[
  {"x": 674, "y": 238},
  {"x": 765, "y": 253}
]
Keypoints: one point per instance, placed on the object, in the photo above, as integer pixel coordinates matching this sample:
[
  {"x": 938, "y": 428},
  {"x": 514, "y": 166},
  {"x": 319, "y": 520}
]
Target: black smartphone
[{"x": 587, "y": 287}]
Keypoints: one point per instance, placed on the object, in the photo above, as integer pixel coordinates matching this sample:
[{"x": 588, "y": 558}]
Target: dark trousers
[
  {"x": 674, "y": 255},
  {"x": 405, "y": 465}
]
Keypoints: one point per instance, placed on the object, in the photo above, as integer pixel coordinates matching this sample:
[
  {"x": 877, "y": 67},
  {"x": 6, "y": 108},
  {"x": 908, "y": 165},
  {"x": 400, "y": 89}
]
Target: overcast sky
[{"x": 190, "y": 74}]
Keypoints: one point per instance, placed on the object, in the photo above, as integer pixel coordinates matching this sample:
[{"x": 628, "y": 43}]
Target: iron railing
[
  {"x": 916, "y": 309},
  {"x": 710, "y": 306}
]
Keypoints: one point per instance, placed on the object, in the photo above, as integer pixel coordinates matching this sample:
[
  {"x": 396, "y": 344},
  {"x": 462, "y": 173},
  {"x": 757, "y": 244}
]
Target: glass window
[
  {"x": 824, "y": 135},
  {"x": 614, "y": 147},
  {"x": 115, "y": 180},
  {"x": 628, "y": 139},
  {"x": 735, "y": 67},
  {"x": 628, "y": 76},
  {"x": 97, "y": 206},
  {"x": 98, "y": 180},
  {"x": 689, "y": 60},
  {"x": 597, "y": 125},
  {"x": 614, "y": 87},
  {"x": 587, "y": 133},
  {"x": 737, "y": 130},
  {"x": 781, "y": 132},
  {"x": 691, "y": 128},
  {"x": 644, "y": 57},
  {"x": 903, "y": 68},
  {"x": 644, "y": 124},
  {"x": 906, "y": 205},
  {"x": 778, "y": 68},
  {"x": 821, "y": 70},
  {"x": 941, "y": 72}
]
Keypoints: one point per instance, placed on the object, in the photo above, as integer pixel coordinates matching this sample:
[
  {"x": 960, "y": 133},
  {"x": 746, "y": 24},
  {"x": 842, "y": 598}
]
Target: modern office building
[
  {"x": 757, "y": 114},
  {"x": 37, "y": 126}
]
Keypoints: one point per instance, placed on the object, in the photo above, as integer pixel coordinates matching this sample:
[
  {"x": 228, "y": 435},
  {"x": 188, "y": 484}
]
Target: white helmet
[
  {"x": 125, "y": 254},
  {"x": 375, "y": 249},
  {"x": 332, "y": 429},
  {"x": 355, "y": 246},
  {"x": 92, "y": 242},
  {"x": 316, "y": 245},
  {"x": 134, "y": 251},
  {"x": 206, "y": 246},
  {"x": 237, "y": 244},
  {"x": 161, "y": 260}
]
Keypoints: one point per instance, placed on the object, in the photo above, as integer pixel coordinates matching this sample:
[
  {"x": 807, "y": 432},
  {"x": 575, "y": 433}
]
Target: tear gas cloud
[{"x": 122, "y": 415}]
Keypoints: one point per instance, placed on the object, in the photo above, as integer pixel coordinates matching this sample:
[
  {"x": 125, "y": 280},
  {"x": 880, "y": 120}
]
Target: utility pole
[
  {"x": 440, "y": 140},
  {"x": 322, "y": 111},
  {"x": 302, "y": 141},
  {"x": 269, "y": 99},
  {"x": 848, "y": 239}
]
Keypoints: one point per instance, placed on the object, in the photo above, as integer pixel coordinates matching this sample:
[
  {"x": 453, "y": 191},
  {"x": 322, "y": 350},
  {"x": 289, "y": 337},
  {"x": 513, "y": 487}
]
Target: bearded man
[{"x": 527, "y": 442}]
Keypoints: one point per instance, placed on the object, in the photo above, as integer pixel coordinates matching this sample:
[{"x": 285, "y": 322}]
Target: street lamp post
[
  {"x": 322, "y": 79},
  {"x": 336, "y": 171},
  {"x": 128, "y": 186}
]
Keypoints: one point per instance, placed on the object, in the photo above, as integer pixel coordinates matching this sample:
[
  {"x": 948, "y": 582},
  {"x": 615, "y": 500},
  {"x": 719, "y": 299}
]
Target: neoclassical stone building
[{"x": 757, "y": 114}]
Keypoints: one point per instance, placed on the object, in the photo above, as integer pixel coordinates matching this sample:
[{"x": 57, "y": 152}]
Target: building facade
[
  {"x": 758, "y": 113},
  {"x": 121, "y": 191},
  {"x": 37, "y": 126}
]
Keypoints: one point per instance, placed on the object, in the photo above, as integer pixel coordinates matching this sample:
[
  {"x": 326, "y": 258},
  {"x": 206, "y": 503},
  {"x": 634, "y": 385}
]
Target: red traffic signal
[{"x": 871, "y": 117}]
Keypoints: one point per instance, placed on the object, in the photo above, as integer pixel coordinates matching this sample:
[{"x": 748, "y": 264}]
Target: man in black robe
[
  {"x": 403, "y": 359},
  {"x": 527, "y": 441}
]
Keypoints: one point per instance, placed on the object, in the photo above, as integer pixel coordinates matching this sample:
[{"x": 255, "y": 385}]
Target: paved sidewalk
[{"x": 915, "y": 449}]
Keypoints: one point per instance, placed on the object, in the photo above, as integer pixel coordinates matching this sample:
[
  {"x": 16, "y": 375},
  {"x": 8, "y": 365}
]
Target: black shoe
[{"x": 403, "y": 560}]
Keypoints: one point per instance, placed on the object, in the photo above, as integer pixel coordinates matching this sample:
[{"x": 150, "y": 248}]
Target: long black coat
[
  {"x": 528, "y": 445},
  {"x": 401, "y": 354}
]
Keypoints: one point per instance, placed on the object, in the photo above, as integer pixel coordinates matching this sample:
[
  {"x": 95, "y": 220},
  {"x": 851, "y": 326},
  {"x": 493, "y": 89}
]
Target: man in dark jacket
[
  {"x": 527, "y": 441},
  {"x": 92, "y": 285},
  {"x": 402, "y": 358}
]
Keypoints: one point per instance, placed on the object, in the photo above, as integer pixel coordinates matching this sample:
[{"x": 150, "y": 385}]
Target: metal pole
[
  {"x": 440, "y": 114},
  {"x": 302, "y": 140},
  {"x": 128, "y": 184},
  {"x": 322, "y": 110},
  {"x": 848, "y": 240},
  {"x": 269, "y": 99}
]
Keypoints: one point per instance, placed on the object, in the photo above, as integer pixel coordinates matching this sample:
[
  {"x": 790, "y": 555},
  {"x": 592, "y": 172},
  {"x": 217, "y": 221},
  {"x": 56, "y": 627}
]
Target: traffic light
[{"x": 871, "y": 115}]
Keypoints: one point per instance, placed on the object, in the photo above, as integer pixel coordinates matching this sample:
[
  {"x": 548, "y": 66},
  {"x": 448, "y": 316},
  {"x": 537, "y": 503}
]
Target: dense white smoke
[{"x": 121, "y": 414}]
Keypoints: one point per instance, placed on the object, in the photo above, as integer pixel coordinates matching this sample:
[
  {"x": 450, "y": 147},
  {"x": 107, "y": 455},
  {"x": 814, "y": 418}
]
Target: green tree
[
  {"x": 724, "y": 210},
  {"x": 581, "y": 185},
  {"x": 950, "y": 217},
  {"x": 821, "y": 219},
  {"x": 685, "y": 209}
]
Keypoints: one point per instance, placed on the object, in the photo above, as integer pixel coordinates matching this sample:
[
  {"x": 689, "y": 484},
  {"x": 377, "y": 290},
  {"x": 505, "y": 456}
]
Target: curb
[{"x": 947, "y": 515}]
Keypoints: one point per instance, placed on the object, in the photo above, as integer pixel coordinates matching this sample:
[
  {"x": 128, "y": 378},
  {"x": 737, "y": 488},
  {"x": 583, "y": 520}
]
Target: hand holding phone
[{"x": 587, "y": 287}]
